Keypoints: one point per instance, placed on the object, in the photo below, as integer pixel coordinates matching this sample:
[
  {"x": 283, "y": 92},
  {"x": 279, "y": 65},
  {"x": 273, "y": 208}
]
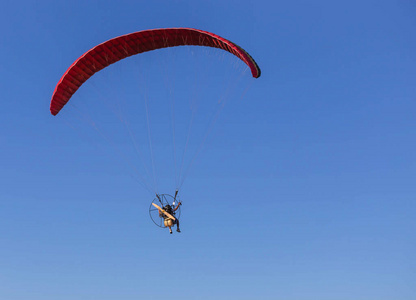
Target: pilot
[{"x": 167, "y": 220}]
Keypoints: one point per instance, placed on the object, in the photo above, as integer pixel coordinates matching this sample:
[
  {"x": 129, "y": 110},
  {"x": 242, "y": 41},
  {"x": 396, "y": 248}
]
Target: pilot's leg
[{"x": 177, "y": 225}]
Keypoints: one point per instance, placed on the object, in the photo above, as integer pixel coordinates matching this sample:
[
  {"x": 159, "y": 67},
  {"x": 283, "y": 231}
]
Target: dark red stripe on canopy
[{"x": 127, "y": 45}]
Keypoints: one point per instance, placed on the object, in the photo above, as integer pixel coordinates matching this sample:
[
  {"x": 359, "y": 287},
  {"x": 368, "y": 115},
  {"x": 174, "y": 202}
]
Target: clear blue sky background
[{"x": 305, "y": 190}]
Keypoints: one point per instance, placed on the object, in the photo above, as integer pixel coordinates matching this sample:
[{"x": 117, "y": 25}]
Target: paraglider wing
[{"x": 127, "y": 45}]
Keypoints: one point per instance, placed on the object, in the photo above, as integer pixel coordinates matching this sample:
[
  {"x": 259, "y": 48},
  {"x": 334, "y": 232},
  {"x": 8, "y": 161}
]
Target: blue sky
[{"x": 305, "y": 188}]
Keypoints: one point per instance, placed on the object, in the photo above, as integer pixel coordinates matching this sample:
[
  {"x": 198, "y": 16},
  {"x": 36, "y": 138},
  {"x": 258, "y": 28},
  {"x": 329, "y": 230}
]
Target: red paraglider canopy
[{"x": 127, "y": 45}]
